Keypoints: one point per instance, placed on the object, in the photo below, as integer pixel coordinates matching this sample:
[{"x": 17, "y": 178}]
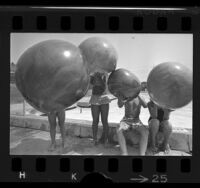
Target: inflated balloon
[
  {"x": 51, "y": 75},
  {"x": 123, "y": 82},
  {"x": 99, "y": 54},
  {"x": 170, "y": 85}
]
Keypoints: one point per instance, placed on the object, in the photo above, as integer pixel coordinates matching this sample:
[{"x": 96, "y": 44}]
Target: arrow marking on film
[{"x": 141, "y": 179}]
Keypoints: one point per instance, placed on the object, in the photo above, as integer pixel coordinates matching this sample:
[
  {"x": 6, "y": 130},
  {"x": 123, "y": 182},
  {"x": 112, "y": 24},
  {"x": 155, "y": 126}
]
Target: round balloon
[
  {"x": 170, "y": 85},
  {"x": 99, "y": 54},
  {"x": 123, "y": 82},
  {"x": 51, "y": 75}
]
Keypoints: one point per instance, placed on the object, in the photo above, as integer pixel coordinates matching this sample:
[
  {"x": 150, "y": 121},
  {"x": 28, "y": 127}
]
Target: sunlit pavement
[{"x": 25, "y": 141}]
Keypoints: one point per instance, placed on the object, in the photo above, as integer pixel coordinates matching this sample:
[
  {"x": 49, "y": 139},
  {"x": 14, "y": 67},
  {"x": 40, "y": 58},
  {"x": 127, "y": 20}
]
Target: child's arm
[
  {"x": 92, "y": 79},
  {"x": 120, "y": 103},
  {"x": 142, "y": 101},
  {"x": 166, "y": 114},
  {"x": 152, "y": 109},
  {"x": 104, "y": 78}
]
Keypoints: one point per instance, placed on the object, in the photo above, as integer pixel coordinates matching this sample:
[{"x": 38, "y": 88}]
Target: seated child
[
  {"x": 159, "y": 122},
  {"x": 132, "y": 121}
]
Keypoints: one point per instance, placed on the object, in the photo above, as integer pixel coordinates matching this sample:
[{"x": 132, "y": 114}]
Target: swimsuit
[
  {"x": 99, "y": 91},
  {"x": 129, "y": 123},
  {"x": 99, "y": 99}
]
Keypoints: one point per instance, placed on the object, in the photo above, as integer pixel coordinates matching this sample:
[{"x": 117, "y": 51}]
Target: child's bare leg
[
  {"x": 52, "y": 122},
  {"x": 166, "y": 128},
  {"x": 121, "y": 140},
  {"x": 104, "y": 119},
  {"x": 153, "y": 130},
  {"x": 61, "y": 123},
  {"x": 144, "y": 133},
  {"x": 95, "y": 115}
]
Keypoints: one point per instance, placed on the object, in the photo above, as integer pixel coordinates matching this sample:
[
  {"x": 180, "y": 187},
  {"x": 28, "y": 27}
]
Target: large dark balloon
[
  {"x": 99, "y": 54},
  {"x": 123, "y": 82},
  {"x": 51, "y": 75},
  {"x": 170, "y": 85}
]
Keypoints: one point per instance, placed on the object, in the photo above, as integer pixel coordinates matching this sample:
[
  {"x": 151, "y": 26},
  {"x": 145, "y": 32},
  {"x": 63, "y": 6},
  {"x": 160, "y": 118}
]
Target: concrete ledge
[{"x": 181, "y": 139}]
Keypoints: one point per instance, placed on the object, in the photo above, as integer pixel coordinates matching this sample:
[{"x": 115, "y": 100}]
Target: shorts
[
  {"x": 129, "y": 123},
  {"x": 99, "y": 99}
]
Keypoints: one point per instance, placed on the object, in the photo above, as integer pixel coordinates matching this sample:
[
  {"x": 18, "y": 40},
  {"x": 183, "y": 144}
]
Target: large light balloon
[
  {"x": 99, "y": 54},
  {"x": 123, "y": 82},
  {"x": 170, "y": 85},
  {"x": 51, "y": 75}
]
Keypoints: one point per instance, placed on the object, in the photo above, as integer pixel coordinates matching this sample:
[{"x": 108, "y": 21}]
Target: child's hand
[
  {"x": 123, "y": 126},
  {"x": 121, "y": 97},
  {"x": 120, "y": 101},
  {"x": 124, "y": 100}
]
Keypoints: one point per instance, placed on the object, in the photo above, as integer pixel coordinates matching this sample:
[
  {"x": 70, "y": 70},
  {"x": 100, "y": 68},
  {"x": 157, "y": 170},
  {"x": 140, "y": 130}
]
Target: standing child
[
  {"x": 132, "y": 121},
  {"x": 52, "y": 116},
  {"x": 99, "y": 105}
]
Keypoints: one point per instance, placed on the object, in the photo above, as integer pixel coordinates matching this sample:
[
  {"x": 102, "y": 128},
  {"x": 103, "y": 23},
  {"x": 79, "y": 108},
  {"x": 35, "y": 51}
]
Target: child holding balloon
[
  {"x": 159, "y": 122},
  {"x": 132, "y": 121},
  {"x": 99, "y": 105}
]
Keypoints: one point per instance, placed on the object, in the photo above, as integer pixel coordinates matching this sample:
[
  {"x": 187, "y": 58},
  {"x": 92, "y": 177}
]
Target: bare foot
[
  {"x": 149, "y": 152},
  {"x": 52, "y": 147},
  {"x": 166, "y": 149},
  {"x": 153, "y": 149}
]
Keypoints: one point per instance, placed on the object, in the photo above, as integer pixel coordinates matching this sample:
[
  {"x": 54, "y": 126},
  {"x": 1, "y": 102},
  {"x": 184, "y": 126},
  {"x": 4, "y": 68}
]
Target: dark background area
[
  {"x": 113, "y": 3},
  {"x": 173, "y": 164}
]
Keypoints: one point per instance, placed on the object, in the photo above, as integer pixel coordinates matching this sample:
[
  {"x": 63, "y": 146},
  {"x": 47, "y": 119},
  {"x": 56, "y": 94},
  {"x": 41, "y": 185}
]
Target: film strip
[{"x": 87, "y": 168}]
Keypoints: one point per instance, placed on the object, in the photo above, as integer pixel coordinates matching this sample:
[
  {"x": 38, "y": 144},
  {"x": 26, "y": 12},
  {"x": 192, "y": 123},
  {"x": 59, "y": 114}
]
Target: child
[
  {"x": 99, "y": 105},
  {"x": 159, "y": 121},
  {"x": 131, "y": 121},
  {"x": 60, "y": 115}
]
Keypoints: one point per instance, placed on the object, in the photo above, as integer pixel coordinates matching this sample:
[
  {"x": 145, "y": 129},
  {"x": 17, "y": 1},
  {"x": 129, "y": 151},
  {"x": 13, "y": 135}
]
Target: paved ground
[{"x": 24, "y": 141}]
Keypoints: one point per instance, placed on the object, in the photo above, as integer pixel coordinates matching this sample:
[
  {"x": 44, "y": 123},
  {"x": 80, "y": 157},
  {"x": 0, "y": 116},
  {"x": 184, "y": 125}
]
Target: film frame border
[{"x": 156, "y": 169}]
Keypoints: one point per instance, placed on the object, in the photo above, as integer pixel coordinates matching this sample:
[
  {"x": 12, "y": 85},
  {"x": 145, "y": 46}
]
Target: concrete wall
[{"x": 181, "y": 139}]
